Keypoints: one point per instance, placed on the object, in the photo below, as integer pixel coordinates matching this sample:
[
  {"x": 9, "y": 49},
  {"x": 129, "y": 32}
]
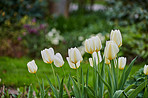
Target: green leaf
[
  {"x": 58, "y": 81},
  {"x": 87, "y": 77},
  {"x": 82, "y": 83},
  {"x": 125, "y": 74},
  {"x": 61, "y": 89},
  {"x": 145, "y": 92},
  {"x": 75, "y": 88},
  {"x": 101, "y": 90},
  {"x": 107, "y": 85},
  {"x": 68, "y": 83},
  {"x": 42, "y": 92},
  {"x": 30, "y": 92},
  {"x": 129, "y": 87},
  {"x": 52, "y": 87},
  {"x": 137, "y": 90},
  {"x": 117, "y": 93},
  {"x": 114, "y": 75},
  {"x": 89, "y": 92}
]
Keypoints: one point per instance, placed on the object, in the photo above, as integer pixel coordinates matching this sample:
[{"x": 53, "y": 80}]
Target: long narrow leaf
[
  {"x": 107, "y": 85},
  {"x": 75, "y": 88},
  {"x": 82, "y": 83},
  {"x": 52, "y": 87},
  {"x": 101, "y": 90},
  {"x": 61, "y": 89},
  {"x": 87, "y": 77},
  {"x": 58, "y": 81},
  {"x": 137, "y": 90},
  {"x": 89, "y": 92},
  {"x": 30, "y": 92}
]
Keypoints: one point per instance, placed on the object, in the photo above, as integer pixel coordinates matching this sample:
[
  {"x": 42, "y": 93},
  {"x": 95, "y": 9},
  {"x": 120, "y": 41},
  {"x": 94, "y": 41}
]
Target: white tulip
[
  {"x": 93, "y": 44},
  {"x": 48, "y": 55},
  {"x": 58, "y": 60},
  {"x": 107, "y": 61},
  {"x": 100, "y": 57},
  {"x": 91, "y": 62},
  {"x": 111, "y": 50},
  {"x": 146, "y": 70},
  {"x": 32, "y": 67},
  {"x": 121, "y": 62},
  {"x": 116, "y": 36},
  {"x": 89, "y": 46},
  {"x": 74, "y": 58}
]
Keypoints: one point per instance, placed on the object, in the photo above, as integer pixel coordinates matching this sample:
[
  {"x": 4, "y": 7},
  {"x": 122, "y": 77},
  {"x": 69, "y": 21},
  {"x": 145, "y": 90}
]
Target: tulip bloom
[
  {"x": 74, "y": 58},
  {"x": 48, "y": 55},
  {"x": 111, "y": 50},
  {"x": 146, "y": 70},
  {"x": 116, "y": 36},
  {"x": 91, "y": 62},
  {"x": 93, "y": 44},
  {"x": 107, "y": 61},
  {"x": 121, "y": 62},
  {"x": 99, "y": 55},
  {"x": 58, "y": 60},
  {"x": 32, "y": 67}
]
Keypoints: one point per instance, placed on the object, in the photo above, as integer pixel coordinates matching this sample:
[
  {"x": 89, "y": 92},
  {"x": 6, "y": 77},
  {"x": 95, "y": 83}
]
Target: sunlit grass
[{"x": 14, "y": 71}]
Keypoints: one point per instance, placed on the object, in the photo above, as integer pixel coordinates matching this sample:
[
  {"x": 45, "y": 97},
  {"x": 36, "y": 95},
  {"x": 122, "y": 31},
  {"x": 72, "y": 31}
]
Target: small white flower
[{"x": 32, "y": 67}]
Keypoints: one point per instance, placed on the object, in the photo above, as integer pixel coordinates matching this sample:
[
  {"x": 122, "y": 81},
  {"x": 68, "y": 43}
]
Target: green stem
[
  {"x": 63, "y": 71},
  {"x": 53, "y": 74}
]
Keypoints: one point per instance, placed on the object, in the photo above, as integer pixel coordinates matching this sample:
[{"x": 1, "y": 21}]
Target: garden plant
[{"x": 110, "y": 72}]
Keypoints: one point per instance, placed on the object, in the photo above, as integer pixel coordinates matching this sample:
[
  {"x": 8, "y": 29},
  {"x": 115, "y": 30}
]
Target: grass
[{"x": 14, "y": 71}]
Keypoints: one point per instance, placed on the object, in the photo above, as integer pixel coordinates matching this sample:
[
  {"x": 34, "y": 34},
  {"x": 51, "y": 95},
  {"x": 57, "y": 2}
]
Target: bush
[{"x": 127, "y": 12}]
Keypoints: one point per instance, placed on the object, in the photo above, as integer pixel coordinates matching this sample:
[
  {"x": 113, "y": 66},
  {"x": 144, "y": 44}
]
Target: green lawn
[{"x": 14, "y": 72}]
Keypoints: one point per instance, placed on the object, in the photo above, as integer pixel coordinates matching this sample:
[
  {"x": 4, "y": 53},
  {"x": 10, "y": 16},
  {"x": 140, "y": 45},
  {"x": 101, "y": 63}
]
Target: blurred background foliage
[{"x": 28, "y": 26}]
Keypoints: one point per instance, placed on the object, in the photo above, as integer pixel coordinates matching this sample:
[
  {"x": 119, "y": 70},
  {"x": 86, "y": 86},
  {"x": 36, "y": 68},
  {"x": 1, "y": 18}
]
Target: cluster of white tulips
[{"x": 92, "y": 46}]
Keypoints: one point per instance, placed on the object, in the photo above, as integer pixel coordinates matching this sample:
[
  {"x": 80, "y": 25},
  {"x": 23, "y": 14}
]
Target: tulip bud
[
  {"x": 32, "y": 67},
  {"x": 58, "y": 60},
  {"x": 48, "y": 55},
  {"x": 111, "y": 50},
  {"x": 97, "y": 42},
  {"x": 121, "y": 62},
  {"x": 89, "y": 46},
  {"x": 116, "y": 36},
  {"x": 99, "y": 55},
  {"x": 146, "y": 70},
  {"x": 107, "y": 61},
  {"x": 93, "y": 44},
  {"x": 91, "y": 62},
  {"x": 74, "y": 58}
]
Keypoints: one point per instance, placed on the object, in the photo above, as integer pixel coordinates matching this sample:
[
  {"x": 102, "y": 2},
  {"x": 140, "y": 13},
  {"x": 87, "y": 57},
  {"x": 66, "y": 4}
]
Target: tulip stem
[
  {"x": 53, "y": 73},
  {"x": 63, "y": 71},
  {"x": 38, "y": 81}
]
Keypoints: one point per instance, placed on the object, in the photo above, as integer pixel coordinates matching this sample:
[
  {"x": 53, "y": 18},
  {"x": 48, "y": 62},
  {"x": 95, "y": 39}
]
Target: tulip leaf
[
  {"x": 129, "y": 87},
  {"x": 138, "y": 90},
  {"x": 52, "y": 87},
  {"x": 89, "y": 92},
  {"x": 42, "y": 92},
  {"x": 114, "y": 75},
  {"x": 95, "y": 77},
  {"x": 61, "y": 89},
  {"x": 82, "y": 83},
  {"x": 101, "y": 83},
  {"x": 30, "y": 92},
  {"x": 58, "y": 80},
  {"x": 145, "y": 92},
  {"x": 107, "y": 85},
  {"x": 75, "y": 88},
  {"x": 125, "y": 74},
  {"x": 87, "y": 77},
  {"x": 68, "y": 83}
]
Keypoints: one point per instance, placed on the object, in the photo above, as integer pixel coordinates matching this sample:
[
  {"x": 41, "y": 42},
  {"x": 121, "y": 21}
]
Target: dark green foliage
[
  {"x": 127, "y": 12},
  {"x": 137, "y": 79},
  {"x": 15, "y": 9}
]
